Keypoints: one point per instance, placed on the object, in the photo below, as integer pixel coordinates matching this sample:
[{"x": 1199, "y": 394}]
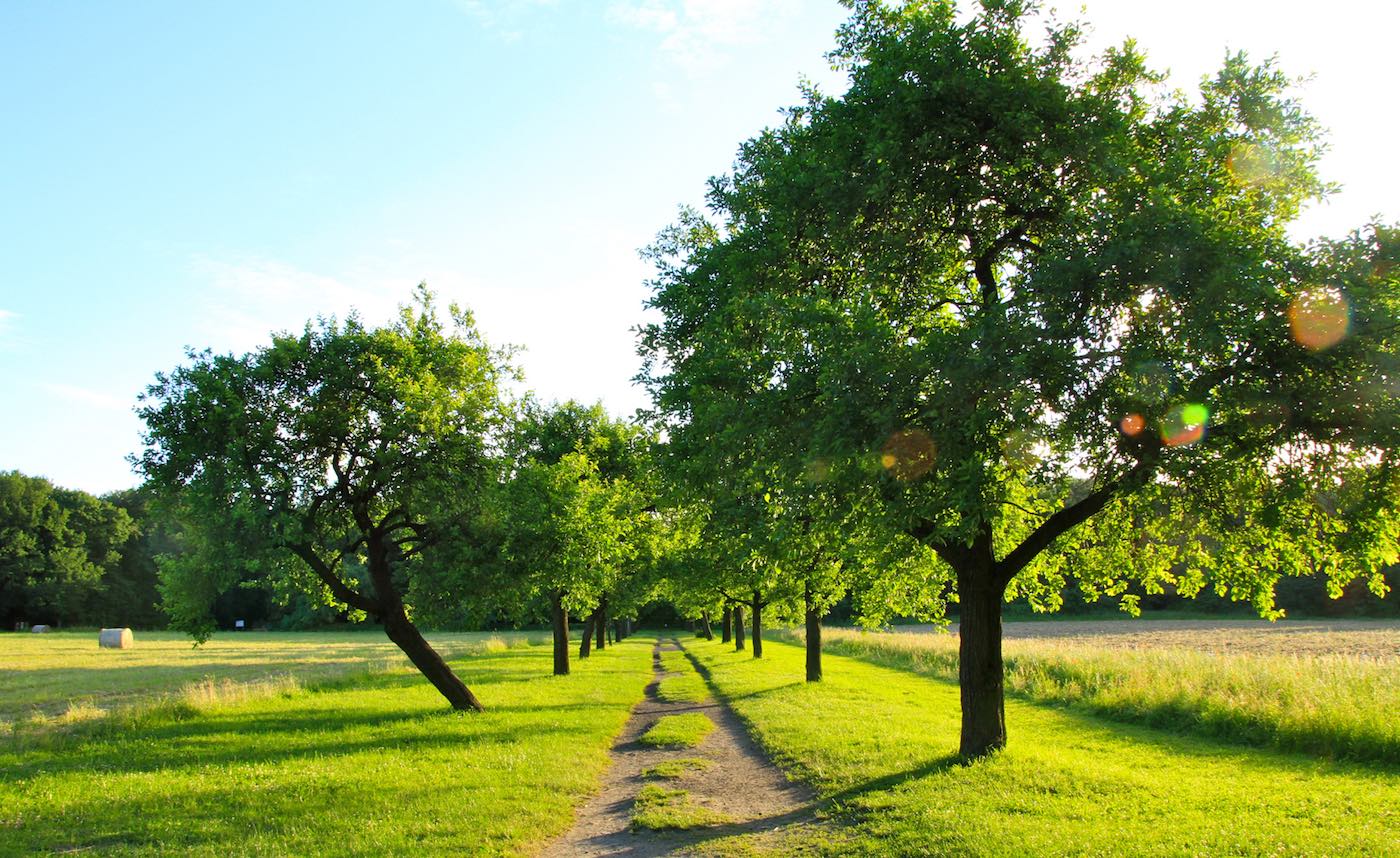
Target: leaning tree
[
  {"x": 1044, "y": 317},
  {"x": 339, "y": 463}
]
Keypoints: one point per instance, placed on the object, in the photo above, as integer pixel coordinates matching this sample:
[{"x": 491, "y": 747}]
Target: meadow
[
  {"x": 878, "y": 743},
  {"x": 371, "y": 763},
  {"x": 321, "y": 744}
]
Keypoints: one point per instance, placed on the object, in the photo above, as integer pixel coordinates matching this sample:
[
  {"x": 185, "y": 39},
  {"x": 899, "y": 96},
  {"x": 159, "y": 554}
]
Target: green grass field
[
  {"x": 370, "y": 764},
  {"x": 317, "y": 744},
  {"x": 879, "y": 743},
  {"x": 1331, "y": 705}
]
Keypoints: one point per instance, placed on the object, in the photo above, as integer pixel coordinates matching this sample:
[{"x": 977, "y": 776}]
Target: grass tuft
[
  {"x": 678, "y": 731},
  {"x": 676, "y": 769},
  {"x": 658, "y": 808}
]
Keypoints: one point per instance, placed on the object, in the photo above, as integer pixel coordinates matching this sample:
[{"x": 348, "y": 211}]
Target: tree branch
[{"x": 338, "y": 588}]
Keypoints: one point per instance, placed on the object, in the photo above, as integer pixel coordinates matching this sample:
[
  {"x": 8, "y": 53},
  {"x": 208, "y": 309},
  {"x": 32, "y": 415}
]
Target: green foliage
[
  {"x": 59, "y": 550},
  {"x": 1041, "y": 316},
  {"x": 343, "y": 464},
  {"x": 678, "y": 731},
  {"x": 881, "y": 757}
]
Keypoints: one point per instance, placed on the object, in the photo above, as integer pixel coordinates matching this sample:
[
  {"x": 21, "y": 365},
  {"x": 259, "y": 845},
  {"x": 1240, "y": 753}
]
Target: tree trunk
[
  {"x": 561, "y": 635},
  {"x": 584, "y": 644},
  {"x": 738, "y": 627},
  {"x": 757, "y": 626},
  {"x": 602, "y": 623},
  {"x": 979, "y": 664},
  {"x": 705, "y": 631},
  {"x": 403, "y": 633},
  {"x": 725, "y": 630},
  {"x": 814, "y": 637}
]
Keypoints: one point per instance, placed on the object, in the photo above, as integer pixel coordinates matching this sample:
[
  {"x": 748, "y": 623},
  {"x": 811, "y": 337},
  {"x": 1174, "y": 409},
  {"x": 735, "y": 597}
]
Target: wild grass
[
  {"x": 658, "y": 808},
  {"x": 678, "y": 731},
  {"x": 367, "y": 764},
  {"x": 1329, "y": 705},
  {"x": 879, "y": 745},
  {"x": 62, "y": 680}
]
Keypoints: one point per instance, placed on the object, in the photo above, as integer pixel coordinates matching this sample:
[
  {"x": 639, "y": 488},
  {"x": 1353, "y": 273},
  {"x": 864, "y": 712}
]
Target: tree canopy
[
  {"x": 342, "y": 463},
  {"x": 1043, "y": 317}
]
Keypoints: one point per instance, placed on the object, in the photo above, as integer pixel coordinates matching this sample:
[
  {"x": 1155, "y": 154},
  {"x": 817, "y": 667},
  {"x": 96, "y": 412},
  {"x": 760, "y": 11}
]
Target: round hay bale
[
  {"x": 115, "y": 638},
  {"x": 38, "y": 630}
]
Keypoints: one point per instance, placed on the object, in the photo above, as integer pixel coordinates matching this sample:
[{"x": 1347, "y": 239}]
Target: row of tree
[{"x": 995, "y": 320}]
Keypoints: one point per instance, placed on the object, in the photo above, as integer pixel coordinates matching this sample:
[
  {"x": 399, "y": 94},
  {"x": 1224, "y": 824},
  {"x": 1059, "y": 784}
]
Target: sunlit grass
[
  {"x": 369, "y": 764},
  {"x": 659, "y": 808},
  {"x": 678, "y": 731},
  {"x": 1330, "y": 705},
  {"x": 879, "y": 745},
  {"x": 677, "y": 769},
  {"x": 63, "y": 676}
]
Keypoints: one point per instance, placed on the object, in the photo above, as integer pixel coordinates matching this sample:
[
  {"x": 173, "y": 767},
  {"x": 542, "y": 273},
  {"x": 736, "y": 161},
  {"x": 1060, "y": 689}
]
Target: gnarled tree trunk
[
  {"x": 980, "y": 664},
  {"x": 725, "y": 629},
  {"x": 738, "y": 628},
  {"x": 705, "y": 631},
  {"x": 814, "y": 636},
  {"x": 407, "y": 637},
  {"x": 600, "y": 622},
  {"x": 561, "y": 634}
]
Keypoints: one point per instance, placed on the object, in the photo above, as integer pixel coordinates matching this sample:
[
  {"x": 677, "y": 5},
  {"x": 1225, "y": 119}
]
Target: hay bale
[
  {"x": 115, "y": 638},
  {"x": 38, "y": 630}
]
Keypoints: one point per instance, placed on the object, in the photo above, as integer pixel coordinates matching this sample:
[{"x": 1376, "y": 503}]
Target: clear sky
[{"x": 201, "y": 174}]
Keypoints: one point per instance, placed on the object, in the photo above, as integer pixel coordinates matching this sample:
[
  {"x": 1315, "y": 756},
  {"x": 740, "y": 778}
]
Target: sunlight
[{"x": 1319, "y": 318}]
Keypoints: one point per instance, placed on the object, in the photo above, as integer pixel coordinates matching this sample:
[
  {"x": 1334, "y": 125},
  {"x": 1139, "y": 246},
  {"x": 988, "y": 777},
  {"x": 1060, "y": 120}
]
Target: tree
[
  {"x": 340, "y": 463},
  {"x": 574, "y": 516},
  {"x": 56, "y": 546},
  {"x": 1045, "y": 320}
]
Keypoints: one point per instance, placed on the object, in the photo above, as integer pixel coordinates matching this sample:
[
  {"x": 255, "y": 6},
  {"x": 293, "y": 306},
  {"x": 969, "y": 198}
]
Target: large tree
[
  {"x": 1045, "y": 318},
  {"x": 341, "y": 462}
]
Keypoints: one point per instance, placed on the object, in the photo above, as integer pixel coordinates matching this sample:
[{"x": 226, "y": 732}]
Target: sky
[{"x": 200, "y": 175}]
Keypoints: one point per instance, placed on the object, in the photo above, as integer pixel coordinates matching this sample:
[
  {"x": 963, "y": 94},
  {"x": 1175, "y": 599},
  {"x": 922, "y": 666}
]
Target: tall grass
[{"x": 1329, "y": 705}]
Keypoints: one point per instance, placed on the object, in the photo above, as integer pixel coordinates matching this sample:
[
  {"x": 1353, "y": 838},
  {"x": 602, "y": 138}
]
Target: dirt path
[{"x": 739, "y": 783}]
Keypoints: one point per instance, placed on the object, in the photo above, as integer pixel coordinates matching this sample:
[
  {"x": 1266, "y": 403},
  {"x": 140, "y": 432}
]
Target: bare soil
[
  {"x": 1378, "y": 639},
  {"x": 740, "y": 783}
]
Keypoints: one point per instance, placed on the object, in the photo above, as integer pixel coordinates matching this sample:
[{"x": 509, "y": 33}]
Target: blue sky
[{"x": 201, "y": 174}]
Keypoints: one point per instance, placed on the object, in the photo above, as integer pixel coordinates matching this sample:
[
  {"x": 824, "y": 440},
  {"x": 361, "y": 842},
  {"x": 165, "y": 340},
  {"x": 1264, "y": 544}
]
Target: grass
[
  {"x": 658, "y": 808},
  {"x": 1334, "y": 706},
  {"x": 878, "y": 744},
  {"x": 685, "y": 686},
  {"x": 678, "y": 731},
  {"x": 676, "y": 769},
  {"x": 370, "y": 764},
  {"x": 52, "y": 674}
]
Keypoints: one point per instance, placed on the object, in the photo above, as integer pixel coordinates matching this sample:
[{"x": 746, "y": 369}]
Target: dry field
[{"x": 1377, "y": 639}]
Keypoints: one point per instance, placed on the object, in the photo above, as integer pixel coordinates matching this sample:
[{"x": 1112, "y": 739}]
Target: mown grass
[
  {"x": 659, "y": 808},
  {"x": 685, "y": 686},
  {"x": 48, "y": 675},
  {"x": 879, "y": 745},
  {"x": 1330, "y": 705},
  {"x": 372, "y": 764},
  {"x": 678, "y": 731}
]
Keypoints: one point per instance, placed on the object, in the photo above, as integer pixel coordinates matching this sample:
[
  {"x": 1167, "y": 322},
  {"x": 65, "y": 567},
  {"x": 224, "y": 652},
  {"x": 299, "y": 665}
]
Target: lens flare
[
  {"x": 908, "y": 454},
  {"x": 1252, "y": 164},
  {"x": 1132, "y": 425},
  {"x": 1319, "y": 318},
  {"x": 1185, "y": 424},
  {"x": 818, "y": 470}
]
